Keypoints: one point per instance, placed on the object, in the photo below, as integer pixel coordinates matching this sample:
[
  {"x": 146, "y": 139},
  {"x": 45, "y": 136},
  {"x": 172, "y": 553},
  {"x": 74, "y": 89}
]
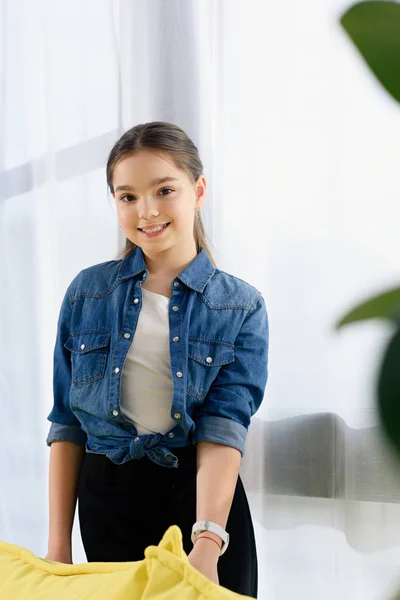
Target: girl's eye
[
  {"x": 166, "y": 188},
  {"x": 130, "y": 197},
  {"x": 126, "y": 196}
]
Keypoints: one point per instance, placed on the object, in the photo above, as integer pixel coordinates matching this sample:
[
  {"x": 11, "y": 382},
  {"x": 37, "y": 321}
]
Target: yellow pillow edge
[
  {"x": 171, "y": 542},
  {"x": 179, "y": 563},
  {"x": 54, "y": 567},
  {"x": 169, "y": 553}
]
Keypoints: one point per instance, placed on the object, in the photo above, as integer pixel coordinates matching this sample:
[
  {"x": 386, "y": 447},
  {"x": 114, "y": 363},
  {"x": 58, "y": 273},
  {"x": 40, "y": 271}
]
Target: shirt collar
[{"x": 195, "y": 276}]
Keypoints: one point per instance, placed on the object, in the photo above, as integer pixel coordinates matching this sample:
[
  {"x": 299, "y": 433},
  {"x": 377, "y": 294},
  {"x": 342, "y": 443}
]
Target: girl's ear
[{"x": 201, "y": 186}]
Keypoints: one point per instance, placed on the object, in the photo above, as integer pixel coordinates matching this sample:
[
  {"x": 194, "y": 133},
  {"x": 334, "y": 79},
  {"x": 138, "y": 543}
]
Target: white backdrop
[{"x": 300, "y": 149}]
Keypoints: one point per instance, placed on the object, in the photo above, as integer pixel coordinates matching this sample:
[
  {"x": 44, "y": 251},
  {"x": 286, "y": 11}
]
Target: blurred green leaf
[
  {"x": 389, "y": 391},
  {"x": 374, "y": 28},
  {"x": 385, "y": 306}
]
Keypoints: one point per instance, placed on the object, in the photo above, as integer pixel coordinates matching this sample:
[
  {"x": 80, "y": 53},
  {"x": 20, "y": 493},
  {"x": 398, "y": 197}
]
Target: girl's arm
[
  {"x": 65, "y": 465},
  {"x": 221, "y": 428},
  {"x": 217, "y": 474}
]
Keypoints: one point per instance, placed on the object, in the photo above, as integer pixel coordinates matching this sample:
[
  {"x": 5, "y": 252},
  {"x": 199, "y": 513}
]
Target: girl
[{"x": 159, "y": 363}]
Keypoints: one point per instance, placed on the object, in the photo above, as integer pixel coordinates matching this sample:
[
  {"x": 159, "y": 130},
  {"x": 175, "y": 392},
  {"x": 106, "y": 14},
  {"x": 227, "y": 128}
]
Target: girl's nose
[{"x": 147, "y": 209}]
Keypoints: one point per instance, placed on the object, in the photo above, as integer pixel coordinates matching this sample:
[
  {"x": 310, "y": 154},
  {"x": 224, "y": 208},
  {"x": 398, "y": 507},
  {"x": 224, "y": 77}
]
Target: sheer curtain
[{"x": 300, "y": 152}]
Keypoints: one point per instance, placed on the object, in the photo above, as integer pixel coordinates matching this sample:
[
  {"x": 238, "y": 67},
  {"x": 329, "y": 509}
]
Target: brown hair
[{"x": 167, "y": 137}]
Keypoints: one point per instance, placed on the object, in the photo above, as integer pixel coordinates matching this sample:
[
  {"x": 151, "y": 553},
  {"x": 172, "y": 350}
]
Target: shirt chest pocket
[
  {"x": 89, "y": 351},
  {"x": 205, "y": 358}
]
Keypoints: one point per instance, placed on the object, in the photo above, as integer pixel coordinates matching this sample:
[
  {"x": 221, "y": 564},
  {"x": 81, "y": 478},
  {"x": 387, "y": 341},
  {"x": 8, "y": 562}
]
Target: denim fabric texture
[{"x": 219, "y": 337}]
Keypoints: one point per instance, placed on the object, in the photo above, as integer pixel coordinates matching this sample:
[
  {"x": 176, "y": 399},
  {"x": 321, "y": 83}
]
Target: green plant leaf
[
  {"x": 374, "y": 28},
  {"x": 389, "y": 391},
  {"x": 384, "y": 306}
]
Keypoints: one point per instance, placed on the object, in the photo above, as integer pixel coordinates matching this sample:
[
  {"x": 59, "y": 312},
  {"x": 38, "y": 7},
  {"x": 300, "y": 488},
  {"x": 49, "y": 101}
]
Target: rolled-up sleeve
[
  {"x": 238, "y": 390},
  {"x": 64, "y": 425}
]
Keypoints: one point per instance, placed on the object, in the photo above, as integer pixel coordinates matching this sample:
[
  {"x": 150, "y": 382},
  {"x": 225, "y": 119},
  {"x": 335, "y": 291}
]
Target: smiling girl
[{"x": 160, "y": 361}]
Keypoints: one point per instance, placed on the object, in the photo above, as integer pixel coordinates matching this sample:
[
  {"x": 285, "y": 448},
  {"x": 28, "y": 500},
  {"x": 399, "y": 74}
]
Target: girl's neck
[{"x": 165, "y": 266}]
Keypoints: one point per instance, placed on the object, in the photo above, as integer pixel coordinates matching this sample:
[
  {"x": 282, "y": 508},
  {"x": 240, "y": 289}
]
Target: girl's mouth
[{"x": 155, "y": 232}]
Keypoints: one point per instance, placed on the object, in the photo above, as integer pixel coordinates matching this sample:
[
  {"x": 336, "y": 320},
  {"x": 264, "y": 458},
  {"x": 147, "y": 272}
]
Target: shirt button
[
  {"x": 209, "y": 359},
  {"x": 179, "y": 374},
  {"x": 116, "y": 370},
  {"x": 115, "y": 413},
  {"x": 176, "y": 283},
  {"x": 171, "y": 435},
  {"x": 136, "y": 439},
  {"x": 175, "y": 308},
  {"x": 127, "y": 336},
  {"x": 83, "y": 347},
  {"x": 177, "y": 416},
  {"x": 136, "y": 300},
  {"x": 175, "y": 339}
]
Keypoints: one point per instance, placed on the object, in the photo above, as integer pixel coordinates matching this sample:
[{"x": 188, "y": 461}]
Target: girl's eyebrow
[{"x": 157, "y": 181}]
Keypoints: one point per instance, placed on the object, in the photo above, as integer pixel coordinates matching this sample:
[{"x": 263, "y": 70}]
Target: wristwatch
[{"x": 201, "y": 526}]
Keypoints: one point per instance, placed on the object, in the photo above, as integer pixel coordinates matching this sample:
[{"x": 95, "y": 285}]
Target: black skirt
[{"x": 125, "y": 508}]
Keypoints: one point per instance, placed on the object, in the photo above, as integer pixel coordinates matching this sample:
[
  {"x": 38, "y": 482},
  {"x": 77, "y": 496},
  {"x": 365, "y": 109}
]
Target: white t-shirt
[{"x": 146, "y": 384}]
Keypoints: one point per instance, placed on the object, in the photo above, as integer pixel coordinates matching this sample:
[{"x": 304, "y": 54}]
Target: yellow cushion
[{"x": 164, "y": 574}]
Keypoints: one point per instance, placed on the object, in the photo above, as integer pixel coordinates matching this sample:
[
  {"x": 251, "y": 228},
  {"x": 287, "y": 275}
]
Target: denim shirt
[{"x": 218, "y": 351}]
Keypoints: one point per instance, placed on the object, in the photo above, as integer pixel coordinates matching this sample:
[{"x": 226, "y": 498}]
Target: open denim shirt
[{"x": 218, "y": 350}]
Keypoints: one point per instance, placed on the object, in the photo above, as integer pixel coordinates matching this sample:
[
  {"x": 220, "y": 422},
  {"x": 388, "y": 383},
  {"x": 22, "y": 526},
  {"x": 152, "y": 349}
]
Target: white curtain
[{"x": 300, "y": 150}]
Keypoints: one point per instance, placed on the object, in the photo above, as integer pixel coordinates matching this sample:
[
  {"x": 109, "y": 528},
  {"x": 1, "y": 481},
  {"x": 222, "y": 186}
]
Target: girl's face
[{"x": 149, "y": 191}]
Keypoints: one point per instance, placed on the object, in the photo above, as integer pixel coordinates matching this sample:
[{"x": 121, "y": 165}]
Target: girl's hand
[
  {"x": 63, "y": 555},
  {"x": 204, "y": 558}
]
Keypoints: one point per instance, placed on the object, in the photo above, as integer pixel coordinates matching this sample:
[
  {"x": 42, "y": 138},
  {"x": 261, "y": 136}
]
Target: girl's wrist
[
  {"x": 209, "y": 544},
  {"x": 59, "y": 544},
  {"x": 212, "y": 535}
]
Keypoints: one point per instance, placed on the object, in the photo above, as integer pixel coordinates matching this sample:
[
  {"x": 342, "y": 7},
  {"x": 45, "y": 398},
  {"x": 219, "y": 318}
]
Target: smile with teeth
[{"x": 155, "y": 229}]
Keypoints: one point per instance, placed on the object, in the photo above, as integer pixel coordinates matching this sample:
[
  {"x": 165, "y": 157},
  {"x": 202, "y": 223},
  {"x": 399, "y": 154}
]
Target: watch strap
[{"x": 201, "y": 526}]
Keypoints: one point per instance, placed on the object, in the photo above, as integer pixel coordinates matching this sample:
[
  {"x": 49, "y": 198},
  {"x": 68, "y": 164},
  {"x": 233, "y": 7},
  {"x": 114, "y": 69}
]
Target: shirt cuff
[
  {"x": 66, "y": 433},
  {"x": 220, "y": 430}
]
